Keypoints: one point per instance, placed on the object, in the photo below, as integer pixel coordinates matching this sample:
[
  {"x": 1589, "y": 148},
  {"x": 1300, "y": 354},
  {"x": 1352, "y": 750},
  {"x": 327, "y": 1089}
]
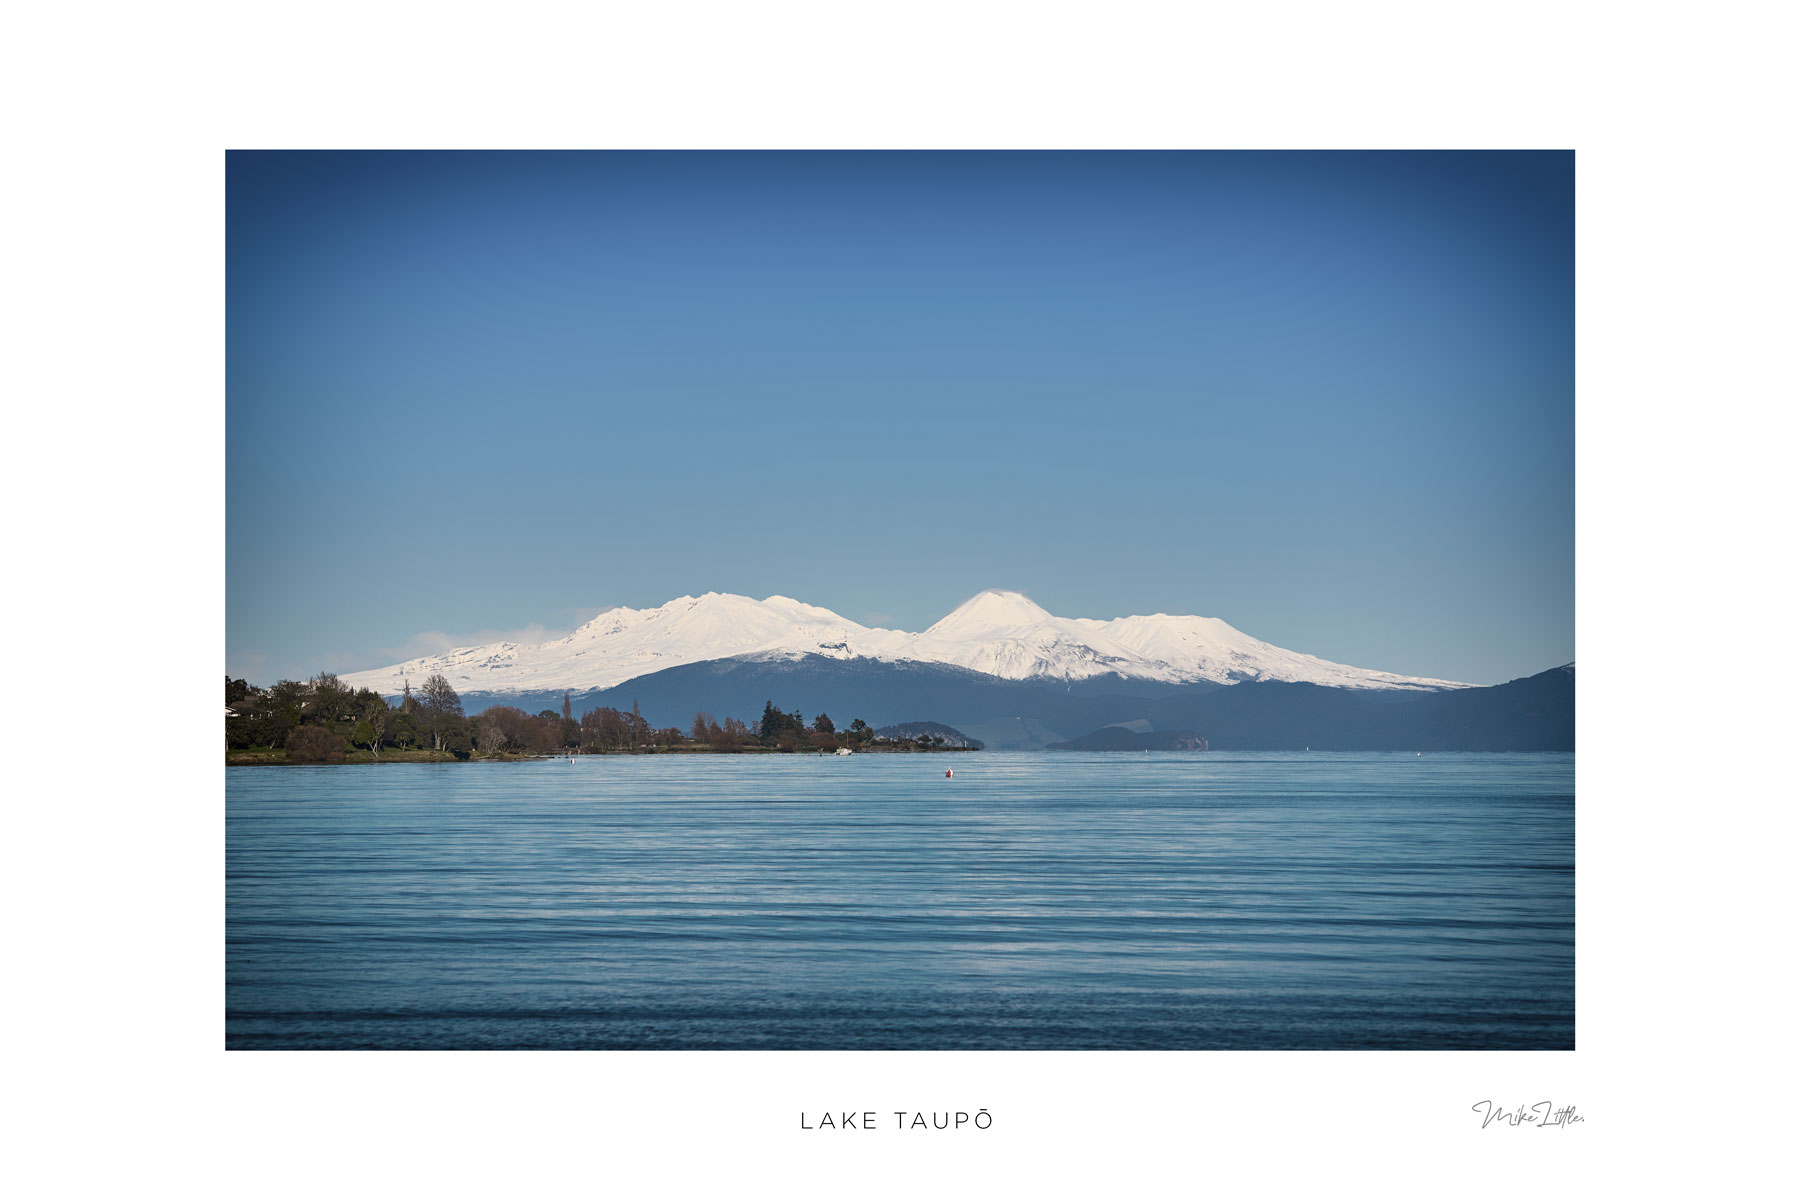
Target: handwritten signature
[{"x": 1543, "y": 1114}]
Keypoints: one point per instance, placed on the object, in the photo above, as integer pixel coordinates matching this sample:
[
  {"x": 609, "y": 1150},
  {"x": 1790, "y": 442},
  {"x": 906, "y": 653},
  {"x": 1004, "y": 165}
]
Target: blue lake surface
[{"x": 1035, "y": 901}]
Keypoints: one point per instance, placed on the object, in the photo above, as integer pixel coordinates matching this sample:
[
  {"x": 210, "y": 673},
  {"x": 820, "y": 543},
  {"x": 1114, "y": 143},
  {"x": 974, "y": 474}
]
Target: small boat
[{"x": 841, "y": 751}]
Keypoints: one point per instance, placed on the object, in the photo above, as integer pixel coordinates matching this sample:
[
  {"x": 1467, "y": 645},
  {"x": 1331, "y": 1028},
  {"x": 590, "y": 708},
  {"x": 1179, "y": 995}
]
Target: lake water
[{"x": 1055, "y": 901}]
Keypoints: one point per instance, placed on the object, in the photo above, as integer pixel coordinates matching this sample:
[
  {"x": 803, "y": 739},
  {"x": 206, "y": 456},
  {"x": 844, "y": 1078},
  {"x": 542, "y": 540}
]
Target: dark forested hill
[
  {"x": 1534, "y": 713},
  {"x": 1115, "y": 737}
]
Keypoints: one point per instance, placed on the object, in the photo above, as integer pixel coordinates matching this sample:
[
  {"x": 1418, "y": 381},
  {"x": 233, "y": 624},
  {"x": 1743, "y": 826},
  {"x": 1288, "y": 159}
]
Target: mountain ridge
[
  {"x": 996, "y": 632},
  {"x": 1536, "y": 712}
]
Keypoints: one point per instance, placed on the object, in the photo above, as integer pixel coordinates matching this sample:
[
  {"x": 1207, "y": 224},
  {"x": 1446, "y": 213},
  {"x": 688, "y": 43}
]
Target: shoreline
[{"x": 279, "y": 758}]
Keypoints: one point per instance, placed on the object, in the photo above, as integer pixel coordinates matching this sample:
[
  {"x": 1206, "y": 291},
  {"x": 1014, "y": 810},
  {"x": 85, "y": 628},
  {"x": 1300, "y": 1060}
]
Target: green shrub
[{"x": 311, "y": 744}]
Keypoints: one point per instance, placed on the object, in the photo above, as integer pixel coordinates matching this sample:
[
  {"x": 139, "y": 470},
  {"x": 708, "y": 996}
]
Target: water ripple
[{"x": 1033, "y": 901}]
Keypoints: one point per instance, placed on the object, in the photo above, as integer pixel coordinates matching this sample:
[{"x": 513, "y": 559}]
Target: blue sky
[{"x": 1328, "y": 397}]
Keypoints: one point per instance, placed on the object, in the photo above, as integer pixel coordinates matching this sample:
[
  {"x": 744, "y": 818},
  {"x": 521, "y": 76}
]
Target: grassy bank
[{"x": 265, "y": 757}]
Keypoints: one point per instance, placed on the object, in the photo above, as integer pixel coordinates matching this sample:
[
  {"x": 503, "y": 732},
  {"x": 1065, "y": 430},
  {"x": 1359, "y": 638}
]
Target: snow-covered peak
[
  {"x": 1208, "y": 648},
  {"x": 992, "y": 609},
  {"x": 1004, "y": 633}
]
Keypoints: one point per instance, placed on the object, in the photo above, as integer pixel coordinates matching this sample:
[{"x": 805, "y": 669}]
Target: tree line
[{"x": 321, "y": 720}]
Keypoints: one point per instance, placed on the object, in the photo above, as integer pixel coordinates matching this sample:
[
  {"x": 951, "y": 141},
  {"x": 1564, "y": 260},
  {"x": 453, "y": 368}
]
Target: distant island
[
  {"x": 324, "y": 721},
  {"x": 1123, "y": 737}
]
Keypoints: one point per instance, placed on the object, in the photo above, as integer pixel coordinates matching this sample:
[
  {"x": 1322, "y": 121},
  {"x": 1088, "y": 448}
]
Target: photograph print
[{"x": 900, "y": 600}]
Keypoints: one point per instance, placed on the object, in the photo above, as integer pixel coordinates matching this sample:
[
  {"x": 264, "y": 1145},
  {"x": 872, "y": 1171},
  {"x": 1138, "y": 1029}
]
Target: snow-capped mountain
[
  {"x": 623, "y": 643},
  {"x": 1003, "y": 633},
  {"x": 997, "y": 633}
]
